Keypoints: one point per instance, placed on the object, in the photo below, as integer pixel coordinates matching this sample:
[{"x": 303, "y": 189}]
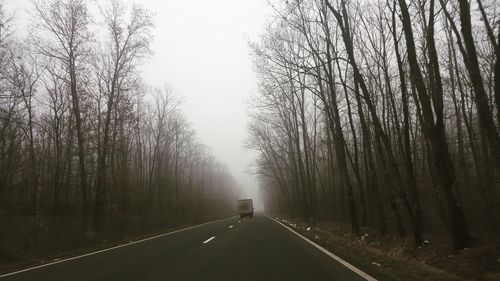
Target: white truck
[{"x": 245, "y": 208}]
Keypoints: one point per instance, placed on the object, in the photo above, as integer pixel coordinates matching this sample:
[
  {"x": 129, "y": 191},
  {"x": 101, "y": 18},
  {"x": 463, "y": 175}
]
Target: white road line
[
  {"x": 209, "y": 239},
  {"x": 112, "y": 248},
  {"x": 231, "y": 226},
  {"x": 330, "y": 254}
]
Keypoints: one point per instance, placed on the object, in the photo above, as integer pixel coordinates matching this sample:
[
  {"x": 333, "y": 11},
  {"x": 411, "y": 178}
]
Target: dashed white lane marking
[
  {"x": 209, "y": 239},
  {"x": 231, "y": 226},
  {"x": 112, "y": 248},
  {"x": 328, "y": 253}
]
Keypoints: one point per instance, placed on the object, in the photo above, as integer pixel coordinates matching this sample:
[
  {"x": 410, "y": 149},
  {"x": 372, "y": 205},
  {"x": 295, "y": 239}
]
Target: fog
[
  {"x": 126, "y": 127},
  {"x": 201, "y": 52}
]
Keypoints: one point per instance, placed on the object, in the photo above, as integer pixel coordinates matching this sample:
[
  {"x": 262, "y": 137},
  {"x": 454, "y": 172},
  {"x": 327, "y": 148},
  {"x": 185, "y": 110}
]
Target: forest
[
  {"x": 89, "y": 152},
  {"x": 382, "y": 114}
]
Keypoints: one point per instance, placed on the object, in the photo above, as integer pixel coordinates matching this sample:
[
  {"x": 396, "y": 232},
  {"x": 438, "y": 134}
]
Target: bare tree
[
  {"x": 376, "y": 70},
  {"x": 127, "y": 42},
  {"x": 64, "y": 24}
]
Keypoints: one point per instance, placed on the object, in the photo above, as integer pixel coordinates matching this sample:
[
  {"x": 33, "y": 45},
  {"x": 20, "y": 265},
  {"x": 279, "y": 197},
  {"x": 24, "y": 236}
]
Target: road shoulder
[
  {"x": 327, "y": 252},
  {"x": 378, "y": 265}
]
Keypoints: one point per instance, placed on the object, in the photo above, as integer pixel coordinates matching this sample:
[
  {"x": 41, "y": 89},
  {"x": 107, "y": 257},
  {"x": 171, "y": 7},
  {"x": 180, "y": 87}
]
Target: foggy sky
[{"x": 201, "y": 51}]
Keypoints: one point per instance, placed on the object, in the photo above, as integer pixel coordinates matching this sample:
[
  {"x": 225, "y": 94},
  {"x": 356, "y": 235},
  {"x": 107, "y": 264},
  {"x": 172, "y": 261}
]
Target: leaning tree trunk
[{"x": 436, "y": 136}]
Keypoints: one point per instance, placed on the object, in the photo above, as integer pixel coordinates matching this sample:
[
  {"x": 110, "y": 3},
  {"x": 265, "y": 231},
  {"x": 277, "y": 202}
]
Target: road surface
[{"x": 232, "y": 249}]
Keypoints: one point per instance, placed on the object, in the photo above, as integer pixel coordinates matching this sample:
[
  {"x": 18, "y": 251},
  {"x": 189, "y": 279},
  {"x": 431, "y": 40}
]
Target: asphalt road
[{"x": 255, "y": 248}]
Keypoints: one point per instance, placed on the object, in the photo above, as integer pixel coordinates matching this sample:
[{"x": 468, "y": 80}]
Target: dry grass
[{"x": 394, "y": 258}]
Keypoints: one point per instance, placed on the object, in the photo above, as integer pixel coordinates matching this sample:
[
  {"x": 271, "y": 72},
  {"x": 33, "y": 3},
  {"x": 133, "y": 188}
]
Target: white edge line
[
  {"x": 330, "y": 254},
  {"x": 112, "y": 248},
  {"x": 209, "y": 239}
]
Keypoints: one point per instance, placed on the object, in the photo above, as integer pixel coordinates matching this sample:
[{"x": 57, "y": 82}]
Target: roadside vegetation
[
  {"x": 395, "y": 258},
  {"x": 88, "y": 152},
  {"x": 383, "y": 115}
]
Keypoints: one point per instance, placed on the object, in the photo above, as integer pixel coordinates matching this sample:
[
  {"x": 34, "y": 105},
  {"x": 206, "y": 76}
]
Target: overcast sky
[{"x": 201, "y": 51}]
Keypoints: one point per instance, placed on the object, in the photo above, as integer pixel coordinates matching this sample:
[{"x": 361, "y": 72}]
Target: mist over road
[{"x": 231, "y": 249}]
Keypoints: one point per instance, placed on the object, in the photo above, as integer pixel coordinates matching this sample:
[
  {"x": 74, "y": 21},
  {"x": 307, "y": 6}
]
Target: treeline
[
  {"x": 88, "y": 152},
  {"x": 382, "y": 114}
]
